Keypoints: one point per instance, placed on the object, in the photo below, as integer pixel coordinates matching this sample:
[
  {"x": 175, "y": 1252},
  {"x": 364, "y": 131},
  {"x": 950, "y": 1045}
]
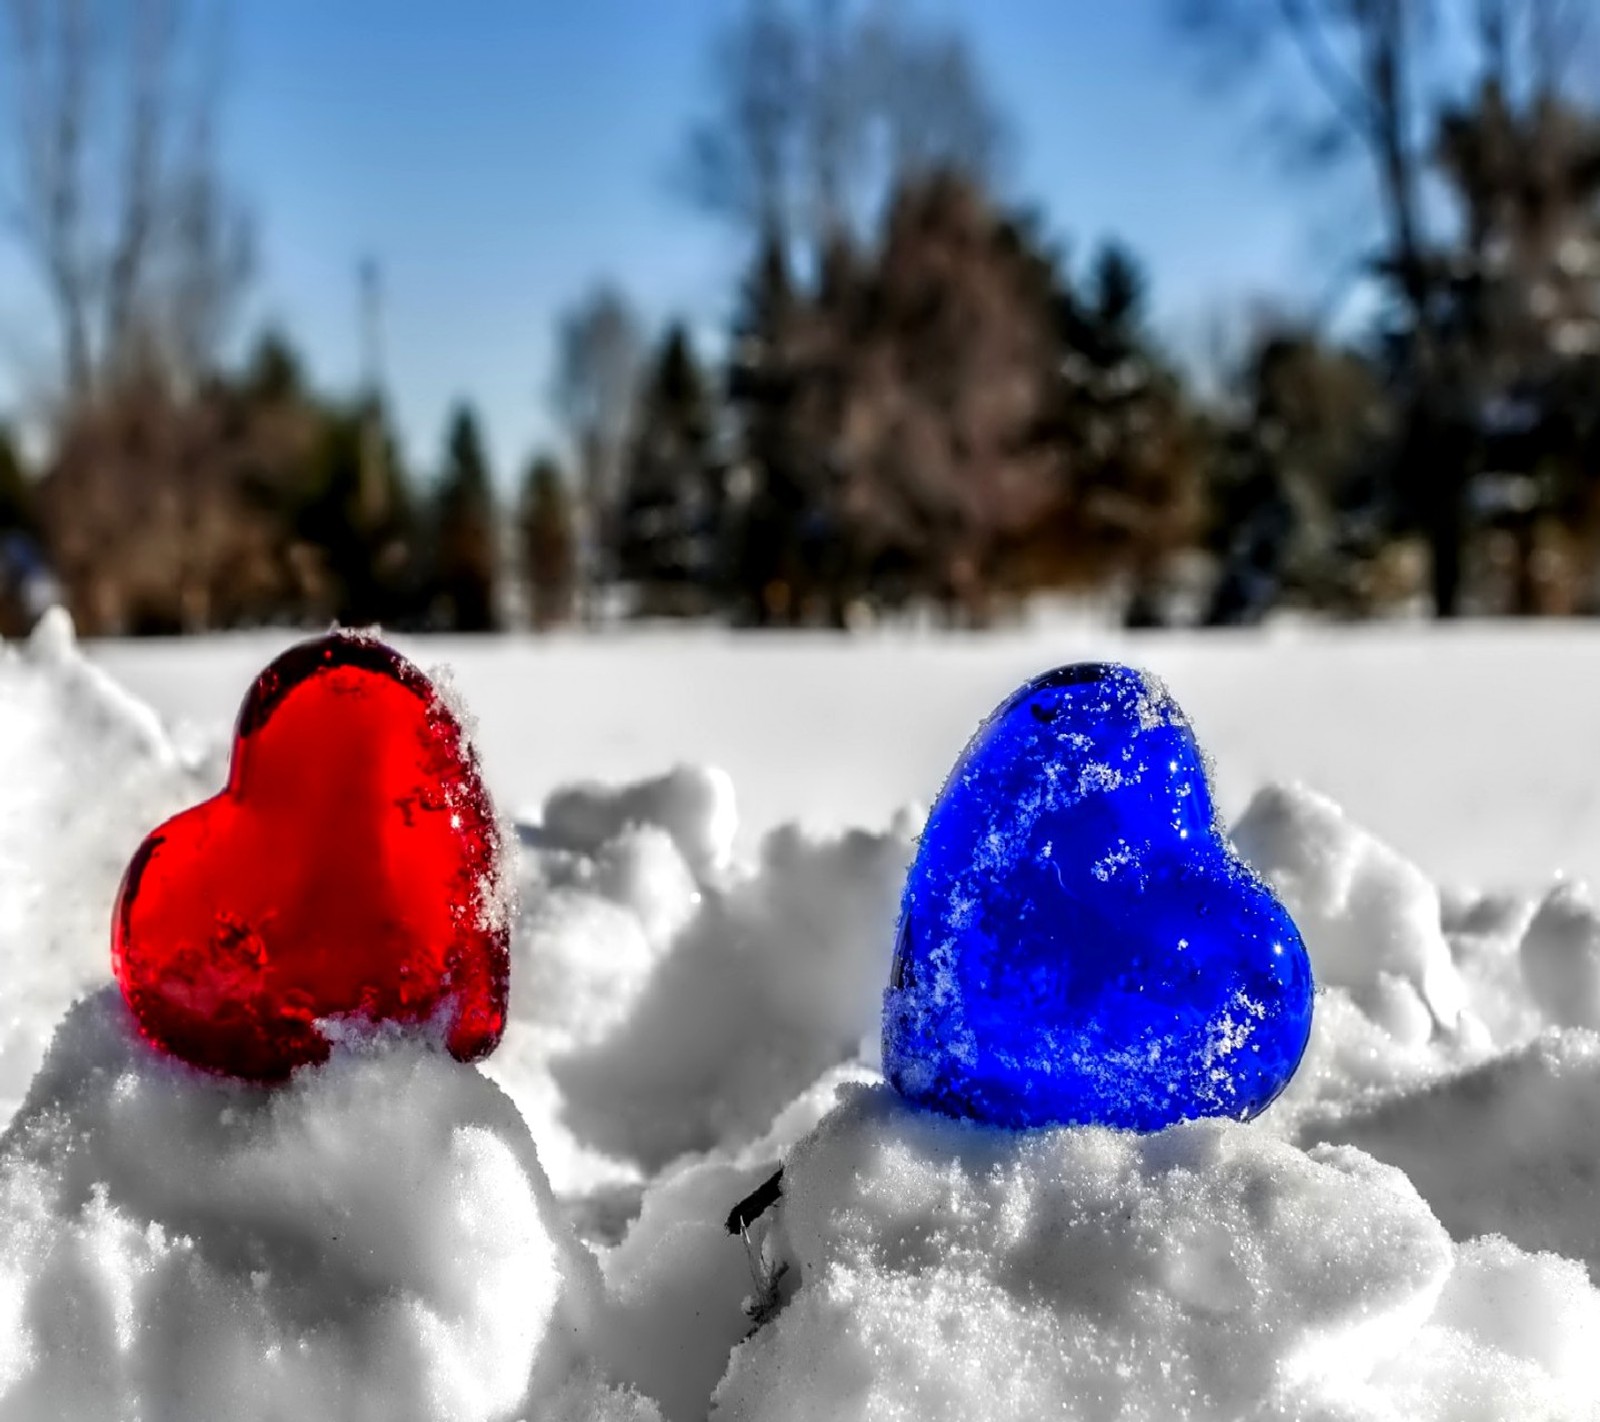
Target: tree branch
[{"x": 1337, "y": 82}]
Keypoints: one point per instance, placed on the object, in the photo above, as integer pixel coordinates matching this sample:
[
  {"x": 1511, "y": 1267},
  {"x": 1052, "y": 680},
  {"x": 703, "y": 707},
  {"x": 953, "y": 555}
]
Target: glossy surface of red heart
[{"x": 349, "y": 870}]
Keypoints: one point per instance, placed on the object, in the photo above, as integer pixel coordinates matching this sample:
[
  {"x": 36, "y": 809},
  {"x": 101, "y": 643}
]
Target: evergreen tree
[
  {"x": 16, "y": 489},
  {"x": 669, "y": 518},
  {"x": 1520, "y": 337},
  {"x": 464, "y": 580},
  {"x": 769, "y": 491},
  {"x": 1128, "y": 449},
  {"x": 355, "y": 517},
  {"x": 599, "y": 350},
  {"x": 947, "y": 355},
  {"x": 549, "y": 544},
  {"x": 1108, "y": 328},
  {"x": 1293, "y": 498},
  {"x": 24, "y": 578},
  {"x": 273, "y": 373}
]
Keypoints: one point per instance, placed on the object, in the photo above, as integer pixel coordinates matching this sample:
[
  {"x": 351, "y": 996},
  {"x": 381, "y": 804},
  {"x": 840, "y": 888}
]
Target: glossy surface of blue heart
[{"x": 1078, "y": 941}]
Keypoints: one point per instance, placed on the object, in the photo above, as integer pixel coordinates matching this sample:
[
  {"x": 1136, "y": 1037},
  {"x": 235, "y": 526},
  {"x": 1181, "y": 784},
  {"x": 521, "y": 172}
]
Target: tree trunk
[
  {"x": 1446, "y": 536},
  {"x": 1449, "y": 450}
]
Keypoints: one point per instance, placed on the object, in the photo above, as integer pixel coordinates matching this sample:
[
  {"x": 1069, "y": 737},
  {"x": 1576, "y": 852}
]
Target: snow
[
  {"x": 777, "y": 977},
  {"x": 949, "y": 1272},
  {"x": 694, "y": 805},
  {"x": 1560, "y": 956},
  {"x": 698, "y": 961},
  {"x": 1370, "y": 918},
  {"x": 1211, "y": 1271},
  {"x": 376, "y": 1239},
  {"x": 1457, "y": 745},
  {"x": 1510, "y": 1146},
  {"x": 87, "y": 770}
]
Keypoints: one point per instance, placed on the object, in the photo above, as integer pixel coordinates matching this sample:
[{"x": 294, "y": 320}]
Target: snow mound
[
  {"x": 87, "y": 771},
  {"x": 591, "y": 1399},
  {"x": 375, "y": 1239},
  {"x": 643, "y": 870},
  {"x": 592, "y": 930},
  {"x": 1514, "y": 1335},
  {"x": 89, "y": 697},
  {"x": 1510, "y": 1146},
  {"x": 1370, "y": 918},
  {"x": 694, "y": 804},
  {"x": 594, "y": 925},
  {"x": 777, "y": 977},
  {"x": 580, "y": 960},
  {"x": 680, "y": 1285},
  {"x": 941, "y": 1270},
  {"x": 1560, "y": 957}
]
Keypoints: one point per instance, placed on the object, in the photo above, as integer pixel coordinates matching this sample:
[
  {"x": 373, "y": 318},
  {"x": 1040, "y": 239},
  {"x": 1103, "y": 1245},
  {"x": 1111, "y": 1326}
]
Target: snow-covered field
[
  {"x": 1411, "y": 1232},
  {"x": 1468, "y": 748}
]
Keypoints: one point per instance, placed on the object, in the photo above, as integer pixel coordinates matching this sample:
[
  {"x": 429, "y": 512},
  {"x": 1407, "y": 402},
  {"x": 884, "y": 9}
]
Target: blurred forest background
[{"x": 920, "y": 409}]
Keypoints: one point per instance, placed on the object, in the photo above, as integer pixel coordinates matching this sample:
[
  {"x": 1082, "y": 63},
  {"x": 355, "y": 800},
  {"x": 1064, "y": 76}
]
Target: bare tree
[
  {"x": 1383, "y": 75},
  {"x": 819, "y": 113},
  {"x": 1372, "y": 65},
  {"x": 925, "y": 94},
  {"x": 1525, "y": 173},
  {"x": 119, "y": 201},
  {"x": 741, "y": 158},
  {"x": 208, "y": 257},
  {"x": 599, "y": 357},
  {"x": 52, "y": 48}
]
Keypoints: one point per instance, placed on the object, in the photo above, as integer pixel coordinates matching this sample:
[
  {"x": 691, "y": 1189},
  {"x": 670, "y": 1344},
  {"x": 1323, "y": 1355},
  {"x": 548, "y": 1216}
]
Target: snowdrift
[
  {"x": 1410, "y": 1232},
  {"x": 1209, "y": 1271},
  {"x": 375, "y": 1239}
]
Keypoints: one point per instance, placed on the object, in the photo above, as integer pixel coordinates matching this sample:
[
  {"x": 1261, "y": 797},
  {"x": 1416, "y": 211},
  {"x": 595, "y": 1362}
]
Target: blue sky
[{"x": 499, "y": 156}]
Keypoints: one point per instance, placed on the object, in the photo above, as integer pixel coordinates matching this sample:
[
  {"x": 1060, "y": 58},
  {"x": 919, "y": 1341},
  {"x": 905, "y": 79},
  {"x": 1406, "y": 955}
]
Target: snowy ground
[
  {"x": 1410, "y": 1233},
  {"x": 1464, "y": 747}
]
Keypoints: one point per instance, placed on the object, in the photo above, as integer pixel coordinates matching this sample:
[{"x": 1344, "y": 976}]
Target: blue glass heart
[{"x": 1079, "y": 943}]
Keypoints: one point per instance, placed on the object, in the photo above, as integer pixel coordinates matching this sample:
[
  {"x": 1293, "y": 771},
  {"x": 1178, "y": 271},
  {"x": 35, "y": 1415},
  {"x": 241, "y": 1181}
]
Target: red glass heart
[{"x": 350, "y": 868}]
